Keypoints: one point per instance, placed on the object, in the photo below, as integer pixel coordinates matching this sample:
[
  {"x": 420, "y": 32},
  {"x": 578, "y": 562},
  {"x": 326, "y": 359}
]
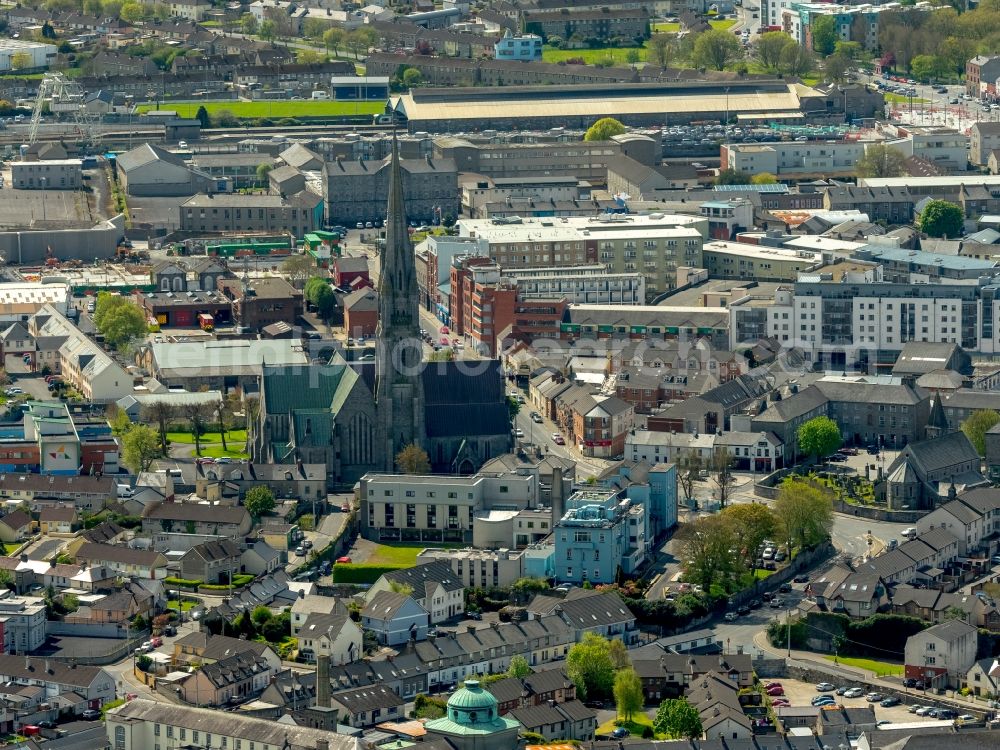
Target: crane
[{"x": 63, "y": 95}]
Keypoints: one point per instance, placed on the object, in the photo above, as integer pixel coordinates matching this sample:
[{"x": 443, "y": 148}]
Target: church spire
[{"x": 399, "y": 396}]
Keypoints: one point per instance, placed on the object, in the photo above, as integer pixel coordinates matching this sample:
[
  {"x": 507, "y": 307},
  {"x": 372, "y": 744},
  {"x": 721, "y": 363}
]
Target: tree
[
  {"x": 267, "y": 30},
  {"x": 604, "y": 129},
  {"x": 248, "y": 24},
  {"x": 298, "y": 267},
  {"x": 195, "y": 415},
  {"x": 716, "y": 49},
  {"x": 619, "y": 654},
  {"x": 412, "y": 77},
  {"x": 819, "y": 437},
  {"x": 131, "y": 12},
  {"x": 662, "y": 49},
  {"x": 880, "y": 161},
  {"x": 629, "y": 697},
  {"x": 400, "y": 587},
  {"x": 309, "y": 57},
  {"x": 796, "y": 60},
  {"x": 325, "y": 301},
  {"x": 119, "y": 320},
  {"x": 835, "y": 68},
  {"x": 263, "y": 170},
  {"x": 941, "y": 219},
  {"x": 824, "y": 34},
  {"x": 749, "y": 524},
  {"x": 202, "y": 116},
  {"x": 589, "y": 665},
  {"x": 259, "y": 501},
  {"x": 518, "y": 667},
  {"x": 118, "y": 420},
  {"x": 732, "y": 177},
  {"x": 851, "y": 50},
  {"x": 220, "y": 412},
  {"x": 688, "y": 468},
  {"x": 140, "y": 447},
  {"x": 159, "y": 412},
  {"x": 20, "y": 61},
  {"x": 313, "y": 28},
  {"x": 333, "y": 39},
  {"x": 763, "y": 178},
  {"x": 705, "y": 550},
  {"x": 977, "y": 425},
  {"x": 722, "y": 476},
  {"x": 804, "y": 511},
  {"x": 929, "y": 67},
  {"x": 767, "y": 49},
  {"x": 359, "y": 41},
  {"x": 413, "y": 459},
  {"x": 678, "y": 720},
  {"x": 632, "y": 57}
]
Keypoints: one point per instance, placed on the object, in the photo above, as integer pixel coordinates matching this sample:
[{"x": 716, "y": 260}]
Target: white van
[
  {"x": 124, "y": 490},
  {"x": 910, "y": 532},
  {"x": 320, "y": 94}
]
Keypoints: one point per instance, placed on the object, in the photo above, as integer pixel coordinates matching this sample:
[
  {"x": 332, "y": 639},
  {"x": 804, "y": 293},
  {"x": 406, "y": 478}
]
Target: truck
[{"x": 206, "y": 322}]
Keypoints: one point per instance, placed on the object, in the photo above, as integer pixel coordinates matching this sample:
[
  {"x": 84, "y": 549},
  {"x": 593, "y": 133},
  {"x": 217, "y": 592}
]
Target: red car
[
  {"x": 344, "y": 559},
  {"x": 558, "y": 439},
  {"x": 775, "y": 691},
  {"x": 780, "y": 703},
  {"x": 769, "y": 685}
]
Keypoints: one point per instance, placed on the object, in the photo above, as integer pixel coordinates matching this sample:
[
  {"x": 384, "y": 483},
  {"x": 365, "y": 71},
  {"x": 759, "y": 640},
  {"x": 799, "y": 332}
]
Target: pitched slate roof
[
  {"x": 383, "y": 606},
  {"x": 419, "y": 576},
  {"x": 114, "y": 553},
  {"x": 585, "y": 609},
  {"x": 943, "y": 452},
  {"x": 196, "y": 512},
  {"x": 463, "y": 403},
  {"x": 235, "y": 669},
  {"x": 367, "y": 698}
]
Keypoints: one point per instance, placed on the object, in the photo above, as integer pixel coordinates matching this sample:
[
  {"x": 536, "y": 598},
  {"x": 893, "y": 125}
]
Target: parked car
[
  {"x": 825, "y": 687},
  {"x": 776, "y": 603},
  {"x": 890, "y": 702},
  {"x": 874, "y": 697},
  {"x": 536, "y": 417},
  {"x": 300, "y": 551},
  {"x": 855, "y": 692},
  {"x": 842, "y": 690},
  {"x": 780, "y": 703},
  {"x": 801, "y": 579},
  {"x": 914, "y": 708},
  {"x": 823, "y": 700},
  {"x": 769, "y": 685},
  {"x": 558, "y": 439},
  {"x": 785, "y": 588},
  {"x": 731, "y": 617},
  {"x": 743, "y": 611},
  {"x": 755, "y": 604},
  {"x": 91, "y": 714},
  {"x": 776, "y": 691},
  {"x": 620, "y": 733}
]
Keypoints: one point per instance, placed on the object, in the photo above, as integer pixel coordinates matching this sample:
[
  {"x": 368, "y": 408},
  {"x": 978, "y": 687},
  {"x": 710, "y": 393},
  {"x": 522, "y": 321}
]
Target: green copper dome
[{"x": 472, "y": 705}]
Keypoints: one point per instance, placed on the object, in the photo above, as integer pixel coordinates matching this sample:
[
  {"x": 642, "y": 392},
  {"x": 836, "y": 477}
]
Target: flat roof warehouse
[{"x": 635, "y": 104}]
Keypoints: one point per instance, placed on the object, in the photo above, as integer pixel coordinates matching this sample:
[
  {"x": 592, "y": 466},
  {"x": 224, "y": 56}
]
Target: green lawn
[
  {"x": 398, "y": 554},
  {"x": 666, "y": 28},
  {"x": 635, "y": 727},
  {"x": 590, "y": 56},
  {"x": 10, "y": 547},
  {"x": 880, "y": 668},
  {"x": 237, "y": 437},
  {"x": 273, "y": 108},
  {"x": 900, "y": 99},
  {"x": 184, "y": 605},
  {"x": 725, "y": 24},
  {"x": 216, "y": 451}
]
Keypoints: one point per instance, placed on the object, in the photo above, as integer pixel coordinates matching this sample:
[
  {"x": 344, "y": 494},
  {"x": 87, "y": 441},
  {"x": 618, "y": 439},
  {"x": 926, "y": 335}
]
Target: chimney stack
[
  {"x": 323, "y": 681},
  {"x": 558, "y": 501}
]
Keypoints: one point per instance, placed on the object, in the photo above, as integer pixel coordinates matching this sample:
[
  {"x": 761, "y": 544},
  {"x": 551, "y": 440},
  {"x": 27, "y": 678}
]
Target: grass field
[
  {"x": 273, "y": 108},
  {"x": 397, "y": 554},
  {"x": 232, "y": 436},
  {"x": 216, "y": 451},
  {"x": 635, "y": 727},
  {"x": 900, "y": 99},
  {"x": 724, "y": 23},
  {"x": 666, "y": 28},
  {"x": 880, "y": 668},
  {"x": 591, "y": 56},
  {"x": 184, "y": 605}
]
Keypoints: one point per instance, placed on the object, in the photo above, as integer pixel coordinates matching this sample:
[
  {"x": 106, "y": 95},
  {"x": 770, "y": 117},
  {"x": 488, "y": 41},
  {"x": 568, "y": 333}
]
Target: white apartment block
[
  {"x": 589, "y": 284},
  {"x": 791, "y": 157}
]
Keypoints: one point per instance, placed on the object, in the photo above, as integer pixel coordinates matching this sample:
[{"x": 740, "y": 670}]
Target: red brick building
[
  {"x": 346, "y": 270},
  {"x": 361, "y": 313}
]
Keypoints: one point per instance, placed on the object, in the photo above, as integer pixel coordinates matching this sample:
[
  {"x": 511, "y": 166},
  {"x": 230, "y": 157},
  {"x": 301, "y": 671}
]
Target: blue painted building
[
  {"x": 600, "y": 534},
  {"x": 526, "y": 48},
  {"x": 655, "y": 487}
]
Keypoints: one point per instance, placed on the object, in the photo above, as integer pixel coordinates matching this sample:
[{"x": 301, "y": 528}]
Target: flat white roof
[{"x": 762, "y": 252}]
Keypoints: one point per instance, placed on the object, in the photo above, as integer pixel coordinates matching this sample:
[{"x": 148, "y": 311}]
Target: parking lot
[{"x": 801, "y": 694}]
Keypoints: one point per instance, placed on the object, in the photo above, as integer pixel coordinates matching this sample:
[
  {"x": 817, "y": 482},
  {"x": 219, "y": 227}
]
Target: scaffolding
[{"x": 64, "y": 97}]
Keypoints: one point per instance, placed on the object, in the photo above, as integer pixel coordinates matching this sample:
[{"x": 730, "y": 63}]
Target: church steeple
[{"x": 398, "y": 385}]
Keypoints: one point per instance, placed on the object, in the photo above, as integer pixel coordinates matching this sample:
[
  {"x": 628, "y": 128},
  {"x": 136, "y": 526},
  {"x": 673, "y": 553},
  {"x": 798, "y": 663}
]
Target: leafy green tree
[
  {"x": 140, "y": 447},
  {"x": 929, "y": 67},
  {"x": 260, "y": 615},
  {"x": 880, "y": 161},
  {"x": 131, "y": 12},
  {"x": 119, "y": 320},
  {"x": 413, "y": 459},
  {"x": 819, "y": 437},
  {"x": 678, "y": 720},
  {"x": 604, "y": 129},
  {"x": 629, "y": 697},
  {"x": 977, "y": 425},
  {"x": 259, "y": 501},
  {"x": 589, "y": 665},
  {"x": 119, "y": 421},
  {"x": 268, "y": 30},
  {"x": 309, "y": 57},
  {"x": 749, "y": 524},
  {"x": 412, "y": 77},
  {"x": 835, "y": 68},
  {"x": 708, "y": 552},
  {"x": 333, "y": 39},
  {"x": 824, "y": 34},
  {"x": 767, "y": 49},
  {"x": 796, "y": 60},
  {"x": 763, "y": 178},
  {"x": 942, "y": 219},
  {"x": 663, "y": 49},
  {"x": 716, "y": 49},
  {"x": 518, "y": 667},
  {"x": 618, "y": 653},
  {"x": 804, "y": 511},
  {"x": 159, "y": 413},
  {"x": 263, "y": 170},
  {"x": 632, "y": 57},
  {"x": 248, "y": 24},
  {"x": 202, "y": 116},
  {"x": 732, "y": 177}
]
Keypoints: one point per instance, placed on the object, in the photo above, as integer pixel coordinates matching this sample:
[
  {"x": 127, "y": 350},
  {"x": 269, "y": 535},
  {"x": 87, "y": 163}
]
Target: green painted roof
[
  {"x": 447, "y": 726},
  {"x": 287, "y": 389},
  {"x": 472, "y": 697},
  {"x": 472, "y": 711}
]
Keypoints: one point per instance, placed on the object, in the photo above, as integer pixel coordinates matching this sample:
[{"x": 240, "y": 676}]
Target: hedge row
[
  {"x": 188, "y": 582},
  {"x": 361, "y": 572}
]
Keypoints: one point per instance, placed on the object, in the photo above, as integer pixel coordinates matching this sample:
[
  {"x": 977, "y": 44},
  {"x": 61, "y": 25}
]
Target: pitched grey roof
[
  {"x": 803, "y": 402},
  {"x": 585, "y": 609},
  {"x": 943, "y": 452},
  {"x": 367, "y": 698},
  {"x": 234, "y": 669},
  {"x": 147, "y": 154},
  {"x": 950, "y": 630},
  {"x": 384, "y": 605},
  {"x": 418, "y": 576}
]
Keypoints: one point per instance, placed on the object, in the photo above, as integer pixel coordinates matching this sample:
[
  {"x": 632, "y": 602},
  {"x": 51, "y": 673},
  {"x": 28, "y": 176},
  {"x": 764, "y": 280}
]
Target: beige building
[
  {"x": 736, "y": 260},
  {"x": 298, "y": 214}
]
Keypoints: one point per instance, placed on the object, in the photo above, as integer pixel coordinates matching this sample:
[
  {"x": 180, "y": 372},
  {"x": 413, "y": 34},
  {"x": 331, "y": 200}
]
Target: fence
[{"x": 112, "y": 653}]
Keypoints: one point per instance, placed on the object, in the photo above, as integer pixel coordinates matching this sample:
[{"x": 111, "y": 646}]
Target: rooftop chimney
[{"x": 323, "y": 681}]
